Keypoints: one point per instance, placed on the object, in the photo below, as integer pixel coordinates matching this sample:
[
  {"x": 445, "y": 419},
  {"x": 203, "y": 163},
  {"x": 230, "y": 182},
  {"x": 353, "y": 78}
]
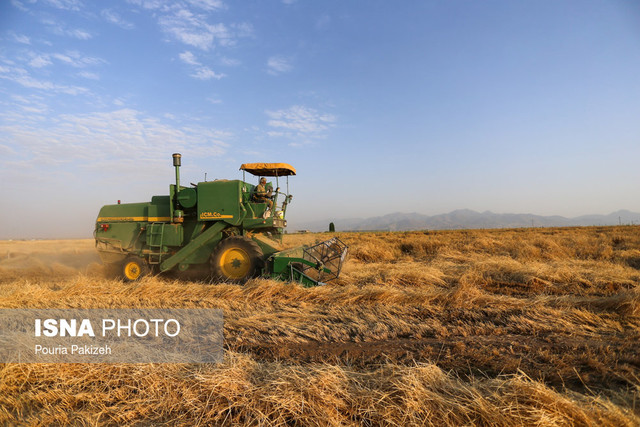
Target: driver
[{"x": 262, "y": 194}]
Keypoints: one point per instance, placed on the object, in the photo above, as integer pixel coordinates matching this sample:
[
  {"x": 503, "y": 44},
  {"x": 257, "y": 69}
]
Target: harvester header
[{"x": 230, "y": 226}]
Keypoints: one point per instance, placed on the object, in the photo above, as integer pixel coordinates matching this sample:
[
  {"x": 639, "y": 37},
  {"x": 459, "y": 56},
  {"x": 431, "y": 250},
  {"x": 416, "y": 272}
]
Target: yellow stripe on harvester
[
  {"x": 134, "y": 218},
  {"x": 214, "y": 215}
]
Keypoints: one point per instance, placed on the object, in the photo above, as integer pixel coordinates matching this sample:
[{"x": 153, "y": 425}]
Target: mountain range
[{"x": 463, "y": 219}]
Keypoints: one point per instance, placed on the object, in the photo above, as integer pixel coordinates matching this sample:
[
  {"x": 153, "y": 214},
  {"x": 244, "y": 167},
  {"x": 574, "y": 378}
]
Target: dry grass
[
  {"x": 495, "y": 327},
  {"x": 243, "y": 391}
]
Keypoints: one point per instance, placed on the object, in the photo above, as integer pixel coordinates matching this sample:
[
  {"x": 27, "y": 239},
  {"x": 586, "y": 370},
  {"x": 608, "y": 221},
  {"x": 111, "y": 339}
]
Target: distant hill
[{"x": 462, "y": 219}]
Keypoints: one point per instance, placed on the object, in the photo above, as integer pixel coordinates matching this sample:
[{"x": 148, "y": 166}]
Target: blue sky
[{"x": 413, "y": 106}]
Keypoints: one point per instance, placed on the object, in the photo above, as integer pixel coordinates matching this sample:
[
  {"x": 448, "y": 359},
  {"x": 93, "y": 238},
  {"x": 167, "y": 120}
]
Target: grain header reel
[{"x": 224, "y": 225}]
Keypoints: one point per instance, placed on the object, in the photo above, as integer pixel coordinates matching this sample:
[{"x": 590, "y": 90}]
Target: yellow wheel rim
[
  {"x": 132, "y": 270},
  {"x": 235, "y": 263}
]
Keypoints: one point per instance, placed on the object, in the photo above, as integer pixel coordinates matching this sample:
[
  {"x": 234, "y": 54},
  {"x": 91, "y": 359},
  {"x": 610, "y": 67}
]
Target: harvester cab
[
  {"x": 233, "y": 227},
  {"x": 278, "y": 199}
]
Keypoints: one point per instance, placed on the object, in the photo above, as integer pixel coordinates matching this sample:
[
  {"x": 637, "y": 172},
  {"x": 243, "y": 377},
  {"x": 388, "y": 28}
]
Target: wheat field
[{"x": 470, "y": 327}]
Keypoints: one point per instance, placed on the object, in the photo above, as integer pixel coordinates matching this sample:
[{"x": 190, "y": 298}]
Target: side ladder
[{"x": 155, "y": 234}]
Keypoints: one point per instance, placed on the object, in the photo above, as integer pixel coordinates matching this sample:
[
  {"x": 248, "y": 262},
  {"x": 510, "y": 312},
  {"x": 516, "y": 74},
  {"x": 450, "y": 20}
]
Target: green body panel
[
  {"x": 160, "y": 207},
  {"x": 212, "y": 234},
  {"x": 188, "y": 197},
  {"x": 127, "y": 224},
  {"x": 220, "y": 200},
  {"x": 286, "y": 267},
  {"x": 165, "y": 234},
  {"x": 124, "y": 212}
]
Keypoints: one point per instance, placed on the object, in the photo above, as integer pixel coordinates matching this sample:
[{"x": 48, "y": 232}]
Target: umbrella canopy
[{"x": 269, "y": 169}]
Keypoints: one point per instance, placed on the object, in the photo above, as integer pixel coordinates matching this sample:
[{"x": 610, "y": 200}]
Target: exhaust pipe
[
  {"x": 176, "y": 163},
  {"x": 177, "y": 213}
]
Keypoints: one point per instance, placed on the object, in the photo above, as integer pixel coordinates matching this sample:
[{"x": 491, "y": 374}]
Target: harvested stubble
[
  {"x": 244, "y": 391},
  {"x": 496, "y": 327}
]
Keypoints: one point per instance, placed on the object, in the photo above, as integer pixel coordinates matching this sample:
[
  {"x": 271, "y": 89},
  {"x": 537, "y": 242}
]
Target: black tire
[
  {"x": 236, "y": 259},
  {"x": 134, "y": 268}
]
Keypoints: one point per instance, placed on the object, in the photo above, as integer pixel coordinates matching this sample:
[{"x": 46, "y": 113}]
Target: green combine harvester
[{"x": 222, "y": 224}]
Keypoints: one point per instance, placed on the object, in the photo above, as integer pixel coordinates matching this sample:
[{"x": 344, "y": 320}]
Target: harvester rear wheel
[
  {"x": 236, "y": 259},
  {"x": 134, "y": 268}
]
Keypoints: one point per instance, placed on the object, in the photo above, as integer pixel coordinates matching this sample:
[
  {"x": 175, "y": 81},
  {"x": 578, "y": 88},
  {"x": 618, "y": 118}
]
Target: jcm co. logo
[{"x": 213, "y": 215}]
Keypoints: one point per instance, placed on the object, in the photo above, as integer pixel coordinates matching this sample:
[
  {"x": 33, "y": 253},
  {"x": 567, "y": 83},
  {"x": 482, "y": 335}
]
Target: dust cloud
[{"x": 48, "y": 259}]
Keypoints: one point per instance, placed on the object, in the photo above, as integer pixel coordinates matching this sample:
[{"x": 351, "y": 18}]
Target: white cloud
[
  {"x": 22, "y": 77},
  {"x": 207, "y": 4},
  {"x": 40, "y": 61},
  {"x": 189, "y": 58},
  {"x": 23, "y": 99},
  {"x": 123, "y": 137},
  {"x": 278, "y": 65},
  {"x": 76, "y": 59},
  {"x": 205, "y": 73},
  {"x": 79, "y": 34},
  {"x": 275, "y": 134},
  {"x": 35, "y": 110},
  {"x": 194, "y": 30},
  {"x": 301, "y": 119},
  {"x": 242, "y": 29},
  {"x": 299, "y": 122},
  {"x": 6, "y": 151},
  {"x": 229, "y": 62},
  {"x": 89, "y": 75},
  {"x": 21, "y": 38},
  {"x": 61, "y": 30},
  {"x": 192, "y": 23},
  {"x": 114, "y": 18},
  {"x": 72, "y": 58},
  {"x": 172, "y": 5},
  {"x": 73, "y": 5},
  {"x": 201, "y": 72},
  {"x": 18, "y": 4},
  {"x": 31, "y": 104},
  {"x": 158, "y": 5}
]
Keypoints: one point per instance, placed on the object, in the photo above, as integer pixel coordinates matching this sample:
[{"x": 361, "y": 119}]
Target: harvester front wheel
[
  {"x": 236, "y": 259},
  {"x": 134, "y": 268}
]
